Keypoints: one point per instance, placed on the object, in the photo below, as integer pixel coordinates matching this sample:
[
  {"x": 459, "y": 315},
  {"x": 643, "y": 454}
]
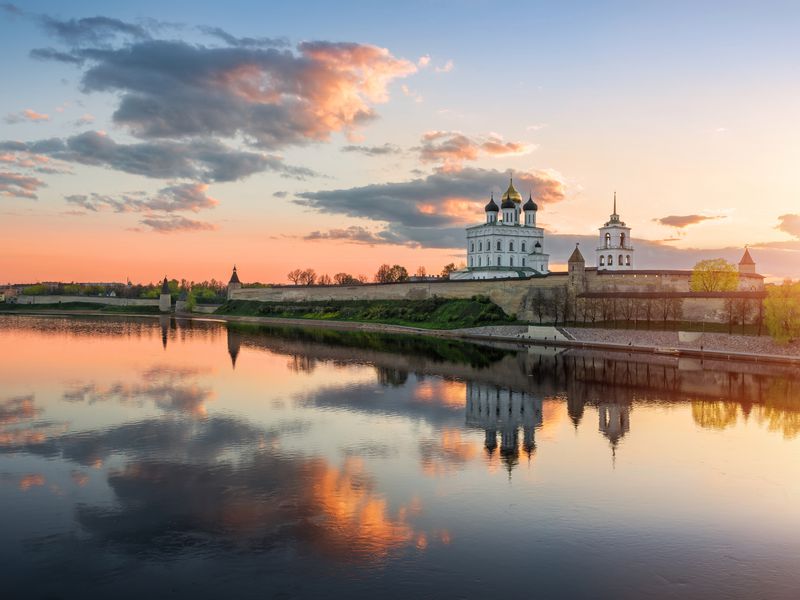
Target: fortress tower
[
  {"x": 234, "y": 283},
  {"x": 165, "y": 299},
  {"x": 615, "y": 252},
  {"x": 747, "y": 264}
]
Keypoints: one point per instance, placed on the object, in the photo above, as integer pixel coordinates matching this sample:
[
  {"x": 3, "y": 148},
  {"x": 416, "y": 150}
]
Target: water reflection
[{"x": 315, "y": 462}]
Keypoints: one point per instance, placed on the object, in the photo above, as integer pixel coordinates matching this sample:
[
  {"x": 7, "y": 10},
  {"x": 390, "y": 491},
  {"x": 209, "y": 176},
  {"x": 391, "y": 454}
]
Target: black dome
[
  {"x": 530, "y": 205},
  {"x": 491, "y": 206}
]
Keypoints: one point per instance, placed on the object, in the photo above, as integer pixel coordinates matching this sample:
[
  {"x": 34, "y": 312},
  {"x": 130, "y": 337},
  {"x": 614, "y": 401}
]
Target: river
[{"x": 176, "y": 458}]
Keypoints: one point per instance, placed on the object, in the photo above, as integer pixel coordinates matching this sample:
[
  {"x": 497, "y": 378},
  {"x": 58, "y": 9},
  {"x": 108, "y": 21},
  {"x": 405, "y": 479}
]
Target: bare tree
[
  {"x": 538, "y": 303},
  {"x": 308, "y": 277},
  {"x": 421, "y": 272},
  {"x": 295, "y": 276},
  {"x": 324, "y": 280}
]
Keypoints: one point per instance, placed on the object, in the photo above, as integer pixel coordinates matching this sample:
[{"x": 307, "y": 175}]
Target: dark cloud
[
  {"x": 19, "y": 186},
  {"x": 56, "y": 55},
  {"x": 244, "y": 42},
  {"x": 790, "y": 224},
  {"x": 681, "y": 221},
  {"x": 272, "y": 97},
  {"x": 428, "y": 212},
  {"x": 373, "y": 150},
  {"x": 91, "y": 30},
  {"x": 199, "y": 159}
]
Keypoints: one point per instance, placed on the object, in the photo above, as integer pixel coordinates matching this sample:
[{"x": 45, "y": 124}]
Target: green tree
[
  {"x": 782, "y": 311},
  {"x": 714, "y": 275}
]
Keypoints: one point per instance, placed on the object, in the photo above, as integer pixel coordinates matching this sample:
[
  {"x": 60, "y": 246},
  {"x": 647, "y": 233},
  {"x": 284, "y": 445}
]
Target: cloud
[
  {"x": 199, "y": 159},
  {"x": 453, "y": 148},
  {"x": 56, "y": 55},
  {"x": 409, "y": 93},
  {"x": 26, "y": 115},
  {"x": 85, "y": 119},
  {"x": 373, "y": 150},
  {"x": 14, "y": 185},
  {"x": 11, "y": 9},
  {"x": 354, "y": 233},
  {"x": 187, "y": 197},
  {"x": 424, "y": 61},
  {"x": 789, "y": 224},
  {"x": 176, "y": 223},
  {"x": 91, "y": 30},
  {"x": 244, "y": 42},
  {"x": 681, "y": 221},
  {"x": 271, "y": 97},
  {"x": 446, "y": 67},
  {"x": 158, "y": 209},
  {"x": 428, "y": 212}
]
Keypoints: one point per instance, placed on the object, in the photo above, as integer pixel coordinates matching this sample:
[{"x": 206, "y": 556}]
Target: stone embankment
[{"x": 716, "y": 342}]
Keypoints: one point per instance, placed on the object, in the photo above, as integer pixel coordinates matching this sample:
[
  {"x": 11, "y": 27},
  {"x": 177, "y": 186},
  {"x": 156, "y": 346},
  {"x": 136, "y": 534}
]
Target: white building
[
  {"x": 615, "y": 251},
  {"x": 506, "y": 247}
]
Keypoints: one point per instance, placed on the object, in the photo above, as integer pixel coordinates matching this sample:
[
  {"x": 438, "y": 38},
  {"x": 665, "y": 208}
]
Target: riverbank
[{"x": 711, "y": 346}]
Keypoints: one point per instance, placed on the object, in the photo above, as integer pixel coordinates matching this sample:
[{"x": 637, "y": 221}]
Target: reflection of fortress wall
[{"x": 585, "y": 377}]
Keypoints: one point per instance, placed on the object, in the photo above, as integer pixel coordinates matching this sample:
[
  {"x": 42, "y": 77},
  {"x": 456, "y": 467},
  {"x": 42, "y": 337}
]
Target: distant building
[
  {"x": 508, "y": 244},
  {"x": 615, "y": 251}
]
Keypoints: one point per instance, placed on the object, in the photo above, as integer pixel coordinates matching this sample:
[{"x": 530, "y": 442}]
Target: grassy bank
[
  {"x": 82, "y": 306},
  {"x": 433, "y": 313}
]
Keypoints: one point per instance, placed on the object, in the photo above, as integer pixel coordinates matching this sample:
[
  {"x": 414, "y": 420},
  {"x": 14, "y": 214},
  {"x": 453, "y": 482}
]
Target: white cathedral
[
  {"x": 512, "y": 246},
  {"x": 508, "y": 247}
]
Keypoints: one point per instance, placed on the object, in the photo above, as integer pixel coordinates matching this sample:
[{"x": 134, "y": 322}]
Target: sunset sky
[{"x": 151, "y": 138}]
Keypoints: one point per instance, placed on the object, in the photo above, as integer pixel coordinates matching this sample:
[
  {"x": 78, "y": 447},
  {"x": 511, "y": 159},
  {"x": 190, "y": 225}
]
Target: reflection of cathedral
[
  {"x": 615, "y": 421},
  {"x": 494, "y": 409}
]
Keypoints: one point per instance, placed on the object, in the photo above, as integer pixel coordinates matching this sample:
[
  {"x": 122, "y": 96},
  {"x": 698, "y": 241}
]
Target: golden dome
[{"x": 511, "y": 193}]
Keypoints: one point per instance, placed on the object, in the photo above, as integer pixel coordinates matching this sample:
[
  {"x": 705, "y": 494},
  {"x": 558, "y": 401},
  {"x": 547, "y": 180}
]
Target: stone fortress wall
[
  {"x": 518, "y": 296},
  {"x": 100, "y": 300}
]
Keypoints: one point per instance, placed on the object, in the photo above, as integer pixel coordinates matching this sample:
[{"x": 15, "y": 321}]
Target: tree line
[{"x": 385, "y": 274}]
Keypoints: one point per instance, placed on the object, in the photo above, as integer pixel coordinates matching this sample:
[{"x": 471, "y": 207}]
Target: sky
[{"x": 152, "y": 138}]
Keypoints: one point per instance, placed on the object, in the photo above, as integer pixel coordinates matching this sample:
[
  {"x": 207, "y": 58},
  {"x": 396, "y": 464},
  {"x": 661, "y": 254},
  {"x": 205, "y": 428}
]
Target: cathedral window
[
  {"x": 472, "y": 247},
  {"x": 622, "y": 240},
  {"x": 608, "y": 239},
  {"x": 602, "y": 261},
  {"x": 499, "y": 247},
  {"x": 510, "y": 246},
  {"x": 498, "y": 261},
  {"x": 523, "y": 246},
  {"x": 610, "y": 261},
  {"x": 628, "y": 260},
  {"x": 511, "y": 261},
  {"x": 620, "y": 260},
  {"x": 470, "y": 261},
  {"x": 523, "y": 261},
  {"x": 480, "y": 246}
]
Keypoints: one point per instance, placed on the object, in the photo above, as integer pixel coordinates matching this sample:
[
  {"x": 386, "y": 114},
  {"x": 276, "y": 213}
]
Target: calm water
[{"x": 180, "y": 459}]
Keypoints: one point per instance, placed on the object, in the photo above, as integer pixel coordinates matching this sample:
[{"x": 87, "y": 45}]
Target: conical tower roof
[
  {"x": 746, "y": 258},
  {"x": 576, "y": 256},
  {"x": 234, "y": 276},
  {"x": 165, "y": 286}
]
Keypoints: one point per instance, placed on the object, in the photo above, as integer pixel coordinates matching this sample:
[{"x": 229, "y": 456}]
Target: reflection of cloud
[
  {"x": 449, "y": 453},
  {"x": 178, "y": 485},
  {"x": 18, "y": 424},
  {"x": 26, "y": 482},
  {"x": 168, "y": 388}
]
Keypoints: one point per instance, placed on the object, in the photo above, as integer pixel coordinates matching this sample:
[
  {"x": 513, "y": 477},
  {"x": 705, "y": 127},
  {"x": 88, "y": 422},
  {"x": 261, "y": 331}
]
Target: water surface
[{"x": 190, "y": 459}]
